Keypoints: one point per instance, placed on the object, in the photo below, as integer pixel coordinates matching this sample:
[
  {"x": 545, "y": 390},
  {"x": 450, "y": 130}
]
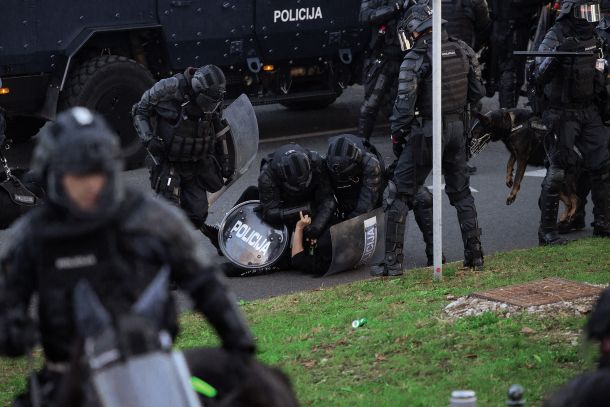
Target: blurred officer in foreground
[
  {"x": 412, "y": 137},
  {"x": 591, "y": 389},
  {"x": 91, "y": 227}
]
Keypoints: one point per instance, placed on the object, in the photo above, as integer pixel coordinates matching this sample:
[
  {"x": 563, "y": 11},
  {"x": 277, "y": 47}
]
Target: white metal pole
[{"x": 437, "y": 148}]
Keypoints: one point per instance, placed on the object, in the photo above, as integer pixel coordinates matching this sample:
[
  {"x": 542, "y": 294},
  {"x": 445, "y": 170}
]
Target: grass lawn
[{"x": 409, "y": 353}]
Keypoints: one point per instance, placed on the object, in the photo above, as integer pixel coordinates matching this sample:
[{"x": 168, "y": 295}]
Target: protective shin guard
[
  {"x": 471, "y": 233},
  {"x": 549, "y": 206},
  {"x": 395, "y": 234},
  {"x": 600, "y": 195},
  {"x": 366, "y": 125},
  {"x": 424, "y": 218}
]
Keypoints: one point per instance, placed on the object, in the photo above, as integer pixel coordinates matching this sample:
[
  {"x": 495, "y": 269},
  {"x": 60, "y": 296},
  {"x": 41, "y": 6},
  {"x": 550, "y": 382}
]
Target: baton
[{"x": 553, "y": 54}]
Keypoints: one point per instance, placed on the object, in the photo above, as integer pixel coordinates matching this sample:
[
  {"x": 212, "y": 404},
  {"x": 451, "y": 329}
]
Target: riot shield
[
  {"x": 247, "y": 241},
  {"x": 243, "y": 143},
  {"x": 358, "y": 242},
  {"x": 152, "y": 379}
]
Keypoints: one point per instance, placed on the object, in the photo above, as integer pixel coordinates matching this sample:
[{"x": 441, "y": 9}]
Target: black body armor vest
[
  {"x": 574, "y": 84},
  {"x": 190, "y": 138},
  {"x": 454, "y": 84}
]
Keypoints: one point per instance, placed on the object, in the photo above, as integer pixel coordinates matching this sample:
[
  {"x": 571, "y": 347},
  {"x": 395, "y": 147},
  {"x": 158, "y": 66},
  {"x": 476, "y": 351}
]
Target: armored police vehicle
[{"x": 105, "y": 54}]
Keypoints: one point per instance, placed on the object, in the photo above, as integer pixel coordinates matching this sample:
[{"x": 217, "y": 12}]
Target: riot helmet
[
  {"x": 209, "y": 86},
  {"x": 79, "y": 143},
  {"x": 344, "y": 160},
  {"x": 417, "y": 19},
  {"x": 292, "y": 166},
  {"x": 588, "y": 10}
]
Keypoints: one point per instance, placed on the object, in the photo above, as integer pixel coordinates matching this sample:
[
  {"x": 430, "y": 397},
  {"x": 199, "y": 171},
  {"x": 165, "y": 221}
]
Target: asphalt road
[{"x": 504, "y": 227}]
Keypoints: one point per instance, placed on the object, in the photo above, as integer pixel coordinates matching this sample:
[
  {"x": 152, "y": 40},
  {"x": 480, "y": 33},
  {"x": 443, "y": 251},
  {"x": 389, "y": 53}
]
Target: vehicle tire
[
  {"x": 111, "y": 85},
  {"x": 314, "y": 104}
]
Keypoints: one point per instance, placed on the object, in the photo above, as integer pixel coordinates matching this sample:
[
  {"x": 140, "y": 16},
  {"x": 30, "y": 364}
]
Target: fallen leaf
[
  {"x": 472, "y": 356},
  {"x": 309, "y": 363},
  {"x": 526, "y": 330},
  {"x": 450, "y": 297},
  {"x": 379, "y": 357}
]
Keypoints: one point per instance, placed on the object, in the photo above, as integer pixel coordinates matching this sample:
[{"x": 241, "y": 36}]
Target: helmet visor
[
  {"x": 589, "y": 11},
  {"x": 405, "y": 40}
]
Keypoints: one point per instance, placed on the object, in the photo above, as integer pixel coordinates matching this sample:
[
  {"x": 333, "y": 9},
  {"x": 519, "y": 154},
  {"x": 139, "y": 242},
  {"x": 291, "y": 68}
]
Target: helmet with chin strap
[
  {"x": 209, "y": 86},
  {"x": 589, "y": 10},
  {"x": 417, "y": 19},
  {"x": 79, "y": 142},
  {"x": 344, "y": 159}
]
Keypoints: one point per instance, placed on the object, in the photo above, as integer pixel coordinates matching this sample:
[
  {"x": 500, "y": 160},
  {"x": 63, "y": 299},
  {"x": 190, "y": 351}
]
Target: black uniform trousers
[
  {"x": 510, "y": 36},
  {"x": 193, "y": 180},
  {"x": 415, "y": 164},
  {"x": 583, "y": 129}
]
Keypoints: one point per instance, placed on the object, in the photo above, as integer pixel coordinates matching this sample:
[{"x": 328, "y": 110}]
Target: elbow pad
[
  {"x": 143, "y": 128},
  {"x": 288, "y": 215}
]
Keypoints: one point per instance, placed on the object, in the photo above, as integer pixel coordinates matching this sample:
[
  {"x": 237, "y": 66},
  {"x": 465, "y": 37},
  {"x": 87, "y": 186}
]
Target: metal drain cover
[{"x": 541, "y": 292}]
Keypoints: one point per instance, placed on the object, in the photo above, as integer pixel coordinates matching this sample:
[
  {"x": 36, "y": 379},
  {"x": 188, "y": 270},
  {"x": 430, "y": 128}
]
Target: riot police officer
[
  {"x": 412, "y": 136},
  {"x": 357, "y": 175},
  {"x": 292, "y": 180},
  {"x": 381, "y": 68},
  {"x": 188, "y": 145},
  {"x": 575, "y": 90},
  {"x": 577, "y": 222},
  {"x": 467, "y": 20},
  {"x": 513, "y": 21},
  {"x": 91, "y": 227}
]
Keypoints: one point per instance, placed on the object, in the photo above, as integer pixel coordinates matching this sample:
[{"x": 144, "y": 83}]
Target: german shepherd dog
[{"x": 523, "y": 134}]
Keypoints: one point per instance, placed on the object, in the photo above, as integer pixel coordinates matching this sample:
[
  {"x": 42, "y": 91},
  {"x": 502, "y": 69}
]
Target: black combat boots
[
  {"x": 547, "y": 232},
  {"x": 473, "y": 254},
  {"x": 600, "y": 195},
  {"x": 424, "y": 219},
  {"x": 211, "y": 232}
]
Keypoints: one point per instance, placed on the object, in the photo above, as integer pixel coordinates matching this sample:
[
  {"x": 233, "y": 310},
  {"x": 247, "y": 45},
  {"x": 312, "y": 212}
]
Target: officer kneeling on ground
[
  {"x": 189, "y": 143},
  {"x": 91, "y": 227},
  {"x": 412, "y": 136},
  {"x": 357, "y": 175},
  {"x": 292, "y": 180}
]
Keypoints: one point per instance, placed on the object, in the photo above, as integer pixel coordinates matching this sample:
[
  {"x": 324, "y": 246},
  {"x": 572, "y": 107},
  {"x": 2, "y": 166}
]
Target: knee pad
[
  {"x": 602, "y": 175},
  {"x": 391, "y": 195},
  {"x": 554, "y": 179},
  {"x": 423, "y": 198},
  {"x": 455, "y": 197}
]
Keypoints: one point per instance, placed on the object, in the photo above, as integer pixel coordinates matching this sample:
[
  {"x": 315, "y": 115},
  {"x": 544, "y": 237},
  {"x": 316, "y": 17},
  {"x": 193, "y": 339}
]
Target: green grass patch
[{"x": 409, "y": 353}]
